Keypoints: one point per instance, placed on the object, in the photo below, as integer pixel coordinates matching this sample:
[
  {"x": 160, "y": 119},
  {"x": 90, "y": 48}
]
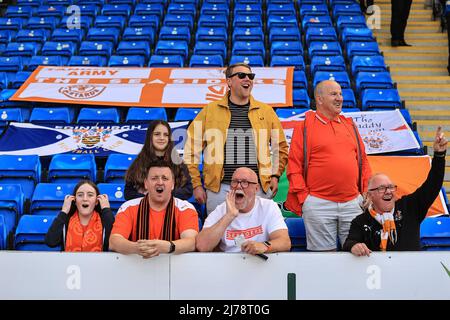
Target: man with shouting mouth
[
  {"x": 388, "y": 224},
  {"x": 244, "y": 214}
]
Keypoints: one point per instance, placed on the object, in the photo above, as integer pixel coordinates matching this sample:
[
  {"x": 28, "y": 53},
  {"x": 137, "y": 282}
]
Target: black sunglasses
[{"x": 242, "y": 75}]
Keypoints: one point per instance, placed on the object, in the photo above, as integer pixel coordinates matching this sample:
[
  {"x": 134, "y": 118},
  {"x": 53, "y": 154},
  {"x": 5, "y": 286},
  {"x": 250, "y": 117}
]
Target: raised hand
[
  {"x": 231, "y": 204},
  {"x": 440, "y": 142},
  {"x": 67, "y": 203}
]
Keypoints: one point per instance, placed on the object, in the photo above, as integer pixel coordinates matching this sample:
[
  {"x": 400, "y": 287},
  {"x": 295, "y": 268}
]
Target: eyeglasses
[
  {"x": 242, "y": 75},
  {"x": 383, "y": 189},
  {"x": 244, "y": 183}
]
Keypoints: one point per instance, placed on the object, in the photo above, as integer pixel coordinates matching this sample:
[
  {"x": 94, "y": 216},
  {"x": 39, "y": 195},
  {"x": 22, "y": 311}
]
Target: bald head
[
  {"x": 247, "y": 172},
  {"x": 328, "y": 96},
  {"x": 377, "y": 179}
]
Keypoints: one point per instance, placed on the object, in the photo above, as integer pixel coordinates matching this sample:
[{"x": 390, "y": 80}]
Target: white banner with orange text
[{"x": 144, "y": 87}]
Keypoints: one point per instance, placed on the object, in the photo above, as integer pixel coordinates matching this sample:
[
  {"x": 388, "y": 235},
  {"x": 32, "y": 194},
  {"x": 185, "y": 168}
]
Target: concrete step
[
  {"x": 387, "y": 49},
  {"x": 415, "y": 63},
  {"x": 432, "y": 28},
  {"x": 429, "y": 114},
  {"x": 409, "y": 71},
  {"x": 427, "y": 105},
  {"x": 420, "y": 87},
  {"x": 422, "y": 79},
  {"x": 416, "y": 96},
  {"x": 398, "y": 55}
]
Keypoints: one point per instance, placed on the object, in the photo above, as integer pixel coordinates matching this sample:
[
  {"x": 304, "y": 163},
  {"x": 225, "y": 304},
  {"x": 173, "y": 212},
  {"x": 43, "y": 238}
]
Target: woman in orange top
[{"x": 85, "y": 221}]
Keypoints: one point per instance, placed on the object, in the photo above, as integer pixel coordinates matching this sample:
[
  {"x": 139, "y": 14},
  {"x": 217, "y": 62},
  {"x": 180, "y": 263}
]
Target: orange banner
[
  {"x": 148, "y": 87},
  {"x": 408, "y": 173}
]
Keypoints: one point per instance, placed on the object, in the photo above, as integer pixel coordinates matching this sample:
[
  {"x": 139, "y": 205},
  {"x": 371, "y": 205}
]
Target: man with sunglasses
[
  {"x": 236, "y": 131},
  {"x": 243, "y": 214},
  {"x": 388, "y": 224}
]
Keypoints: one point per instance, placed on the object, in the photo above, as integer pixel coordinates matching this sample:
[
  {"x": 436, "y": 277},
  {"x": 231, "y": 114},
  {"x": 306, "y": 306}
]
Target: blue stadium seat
[
  {"x": 116, "y": 166},
  {"x": 210, "y": 34},
  {"x": 12, "y": 24},
  {"x": 5, "y": 37},
  {"x": 46, "y": 23},
  {"x": 368, "y": 64},
  {"x": 186, "y": 114},
  {"x": 83, "y": 22},
  {"x": 93, "y": 61},
  {"x": 145, "y": 9},
  {"x": 327, "y": 63},
  {"x": 182, "y": 9},
  {"x": 345, "y": 21},
  {"x": 64, "y": 35},
  {"x": 248, "y": 34},
  {"x": 175, "y": 20},
  {"x": 140, "y": 115},
  {"x": 373, "y": 80},
  {"x": 68, "y": 168},
  {"x": 3, "y": 234},
  {"x": 89, "y": 10},
  {"x": 134, "y": 48},
  {"x": 340, "y": 77},
  {"x": 380, "y": 98},
  {"x": 163, "y": 61},
  {"x": 96, "y": 48},
  {"x": 316, "y": 21},
  {"x": 215, "y": 9},
  {"x": 123, "y": 10},
  {"x": 56, "y": 116},
  {"x": 283, "y": 9},
  {"x": 319, "y": 9},
  {"x": 320, "y": 34},
  {"x": 300, "y": 80},
  {"x": 206, "y": 61},
  {"x": 175, "y": 33},
  {"x": 19, "y": 79},
  {"x": 115, "y": 192},
  {"x": 349, "y": 99},
  {"x": 346, "y": 9},
  {"x": 31, "y": 231},
  {"x": 248, "y": 9},
  {"x": 151, "y": 21},
  {"x": 284, "y": 34},
  {"x": 254, "y": 61},
  {"x": 103, "y": 34},
  {"x": 300, "y": 98},
  {"x": 362, "y": 48},
  {"x": 435, "y": 233},
  {"x": 32, "y": 35},
  {"x": 206, "y": 20},
  {"x": 8, "y": 115},
  {"x": 50, "y": 11},
  {"x": 210, "y": 48},
  {"x": 356, "y": 34},
  {"x": 282, "y": 21},
  {"x": 281, "y": 61},
  {"x": 98, "y": 115},
  {"x": 297, "y": 233},
  {"x": 126, "y": 61},
  {"x": 37, "y": 61},
  {"x": 251, "y": 48},
  {"x": 18, "y": 12},
  {"x": 24, "y": 49},
  {"x": 62, "y": 49},
  {"x": 4, "y": 82},
  {"x": 139, "y": 34},
  {"x": 247, "y": 21},
  {"x": 48, "y": 198},
  {"x": 11, "y": 205},
  {"x": 118, "y": 22},
  {"x": 172, "y": 47},
  {"x": 24, "y": 170},
  {"x": 284, "y": 113},
  {"x": 324, "y": 48}
]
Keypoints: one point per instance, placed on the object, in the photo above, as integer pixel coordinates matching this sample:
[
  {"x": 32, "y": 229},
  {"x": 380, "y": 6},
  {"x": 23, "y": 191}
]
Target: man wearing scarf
[
  {"x": 388, "y": 224},
  {"x": 158, "y": 222}
]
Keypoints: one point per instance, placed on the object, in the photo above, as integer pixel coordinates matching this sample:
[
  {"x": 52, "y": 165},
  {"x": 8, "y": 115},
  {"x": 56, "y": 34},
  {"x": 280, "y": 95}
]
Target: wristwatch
[
  {"x": 268, "y": 245},
  {"x": 172, "y": 247}
]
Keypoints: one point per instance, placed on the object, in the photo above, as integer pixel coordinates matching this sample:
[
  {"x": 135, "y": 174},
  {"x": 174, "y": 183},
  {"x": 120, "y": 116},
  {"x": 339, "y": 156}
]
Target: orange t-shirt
[{"x": 186, "y": 217}]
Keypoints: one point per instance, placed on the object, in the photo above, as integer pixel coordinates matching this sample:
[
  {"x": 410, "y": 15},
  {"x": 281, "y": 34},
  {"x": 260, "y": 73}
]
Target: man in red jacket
[{"x": 327, "y": 171}]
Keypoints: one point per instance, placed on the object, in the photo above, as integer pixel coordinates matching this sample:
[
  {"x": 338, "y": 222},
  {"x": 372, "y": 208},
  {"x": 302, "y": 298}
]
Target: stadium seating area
[{"x": 322, "y": 39}]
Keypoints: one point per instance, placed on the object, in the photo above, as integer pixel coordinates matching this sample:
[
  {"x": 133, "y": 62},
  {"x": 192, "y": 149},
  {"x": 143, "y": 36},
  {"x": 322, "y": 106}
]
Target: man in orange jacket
[{"x": 327, "y": 170}]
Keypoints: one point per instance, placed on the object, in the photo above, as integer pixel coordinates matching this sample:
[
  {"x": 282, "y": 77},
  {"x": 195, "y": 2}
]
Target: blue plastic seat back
[
  {"x": 211, "y": 48},
  {"x": 340, "y": 77},
  {"x": 211, "y": 34},
  {"x": 11, "y": 204},
  {"x": 435, "y": 233},
  {"x": 31, "y": 231},
  {"x": 103, "y": 34},
  {"x": 380, "y": 98},
  {"x": 166, "y": 61},
  {"x": 349, "y": 99},
  {"x": 49, "y": 197},
  {"x": 297, "y": 233},
  {"x": 52, "y": 60},
  {"x": 24, "y": 170},
  {"x": 327, "y": 63},
  {"x": 254, "y": 61},
  {"x": 248, "y": 34},
  {"x": 186, "y": 114},
  {"x": 301, "y": 98},
  {"x": 172, "y": 47},
  {"x": 206, "y": 61},
  {"x": 115, "y": 192},
  {"x": 58, "y": 115},
  {"x": 286, "y": 48},
  {"x": 284, "y": 113},
  {"x": 126, "y": 61},
  {"x": 67, "y": 168},
  {"x": 320, "y": 34},
  {"x": 93, "y": 61},
  {"x": 98, "y": 115},
  {"x": 373, "y": 63},
  {"x": 96, "y": 48},
  {"x": 281, "y": 61},
  {"x": 175, "y": 33},
  {"x": 324, "y": 48},
  {"x": 300, "y": 80},
  {"x": 116, "y": 166},
  {"x": 139, "y": 34}
]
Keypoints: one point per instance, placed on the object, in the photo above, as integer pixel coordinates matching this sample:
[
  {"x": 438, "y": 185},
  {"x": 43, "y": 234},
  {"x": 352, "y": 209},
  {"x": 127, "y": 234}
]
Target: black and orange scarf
[
  {"x": 389, "y": 231},
  {"x": 143, "y": 221},
  {"x": 90, "y": 240}
]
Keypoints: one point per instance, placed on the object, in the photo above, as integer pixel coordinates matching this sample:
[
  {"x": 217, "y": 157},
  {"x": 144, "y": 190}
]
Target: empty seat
[
  {"x": 172, "y": 47},
  {"x": 139, "y": 34},
  {"x": 115, "y": 192},
  {"x": 175, "y": 33},
  {"x": 206, "y": 20},
  {"x": 19, "y": 79},
  {"x": 362, "y": 48},
  {"x": 182, "y": 9},
  {"x": 24, "y": 170},
  {"x": 137, "y": 48},
  {"x": 210, "y": 48},
  {"x": 69, "y": 168},
  {"x": 151, "y": 21},
  {"x": 248, "y": 9},
  {"x": 140, "y": 115},
  {"x": 163, "y": 61},
  {"x": 46, "y": 23},
  {"x": 375, "y": 80},
  {"x": 103, "y": 34},
  {"x": 64, "y": 35},
  {"x": 58, "y": 115},
  {"x": 211, "y": 34},
  {"x": 300, "y": 98},
  {"x": 356, "y": 34},
  {"x": 249, "y": 48},
  {"x": 345, "y": 21},
  {"x": 50, "y": 11},
  {"x": 206, "y": 61},
  {"x": 316, "y": 21},
  {"x": 37, "y": 61},
  {"x": 297, "y": 233},
  {"x": 116, "y": 166},
  {"x": 11, "y": 205},
  {"x": 18, "y": 12},
  {"x": 281, "y": 61},
  {"x": 31, "y": 231},
  {"x": 9, "y": 114},
  {"x": 186, "y": 114},
  {"x": 98, "y": 115},
  {"x": 349, "y": 100},
  {"x": 368, "y": 64},
  {"x": 10, "y": 65},
  {"x": 118, "y": 22},
  {"x": 83, "y": 22},
  {"x": 254, "y": 61},
  {"x": 320, "y": 34},
  {"x": 282, "y": 21},
  {"x": 327, "y": 63},
  {"x": 215, "y": 9},
  {"x": 286, "y": 48},
  {"x": 340, "y": 77},
  {"x": 284, "y": 34},
  {"x": 324, "y": 48},
  {"x": 143, "y": 9},
  {"x": 96, "y": 48},
  {"x": 281, "y": 9},
  {"x": 31, "y": 35},
  {"x": 284, "y": 113},
  {"x": 247, "y": 21},
  {"x": 126, "y": 61},
  {"x": 380, "y": 98},
  {"x": 300, "y": 81},
  {"x": 123, "y": 10},
  {"x": 48, "y": 198},
  {"x": 435, "y": 233}
]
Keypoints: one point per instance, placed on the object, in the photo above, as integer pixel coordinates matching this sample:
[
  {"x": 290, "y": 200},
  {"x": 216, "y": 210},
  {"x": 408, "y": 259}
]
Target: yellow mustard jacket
[{"x": 207, "y": 134}]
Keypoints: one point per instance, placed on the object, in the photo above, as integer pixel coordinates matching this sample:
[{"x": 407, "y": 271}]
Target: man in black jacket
[{"x": 388, "y": 224}]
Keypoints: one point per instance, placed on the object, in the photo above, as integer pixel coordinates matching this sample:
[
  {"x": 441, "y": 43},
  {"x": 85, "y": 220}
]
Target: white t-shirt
[{"x": 256, "y": 225}]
